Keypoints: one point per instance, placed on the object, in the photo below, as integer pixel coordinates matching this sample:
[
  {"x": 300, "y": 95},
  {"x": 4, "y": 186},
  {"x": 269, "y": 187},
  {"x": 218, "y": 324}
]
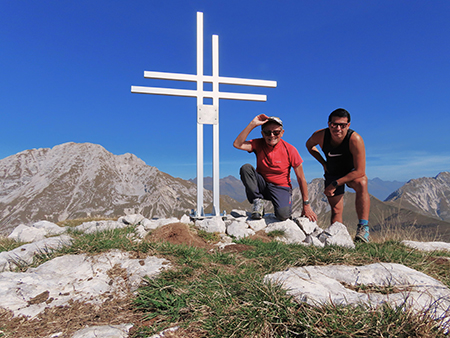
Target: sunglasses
[
  {"x": 270, "y": 132},
  {"x": 336, "y": 125}
]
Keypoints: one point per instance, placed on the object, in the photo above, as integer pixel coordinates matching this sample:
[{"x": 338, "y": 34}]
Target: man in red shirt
[{"x": 271, "y": 179}]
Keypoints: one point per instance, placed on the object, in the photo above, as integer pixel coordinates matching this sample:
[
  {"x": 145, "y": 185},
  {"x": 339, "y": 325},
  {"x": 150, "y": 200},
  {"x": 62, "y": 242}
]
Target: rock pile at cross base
[{"x": 116, "y": 274}]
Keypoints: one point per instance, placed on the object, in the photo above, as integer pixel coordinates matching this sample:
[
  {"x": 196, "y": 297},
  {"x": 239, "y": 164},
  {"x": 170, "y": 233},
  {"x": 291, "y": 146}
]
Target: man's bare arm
[
  {"x": 241, "y": 141},
  {"x": 307, "y": 210},
  {"x": 313, "y": 141}
]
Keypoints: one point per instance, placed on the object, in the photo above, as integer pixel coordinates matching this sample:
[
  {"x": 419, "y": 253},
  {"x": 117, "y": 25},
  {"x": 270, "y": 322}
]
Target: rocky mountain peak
[
  {"x": 78, "y": 180},
  {"x": 427, "y": 195}
]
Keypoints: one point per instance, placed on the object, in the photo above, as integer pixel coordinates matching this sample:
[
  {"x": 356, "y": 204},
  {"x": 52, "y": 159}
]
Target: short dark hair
[{"x": 340, "y": 112}]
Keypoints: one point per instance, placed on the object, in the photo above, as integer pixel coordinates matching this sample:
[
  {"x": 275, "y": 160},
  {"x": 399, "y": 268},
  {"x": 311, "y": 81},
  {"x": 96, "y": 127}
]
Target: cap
[{"x": 275, "y": 119}]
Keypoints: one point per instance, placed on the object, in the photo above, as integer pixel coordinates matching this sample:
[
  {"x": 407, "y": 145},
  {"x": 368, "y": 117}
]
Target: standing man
[
  {"x": 345, "y": 165},
  {"x": 271, "y": 179}
]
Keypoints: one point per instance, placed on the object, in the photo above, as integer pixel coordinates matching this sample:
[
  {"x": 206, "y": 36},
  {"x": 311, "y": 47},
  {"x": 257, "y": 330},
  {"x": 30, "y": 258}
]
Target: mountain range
[
  {"x": 74, "y": 180},
  {"x": 233, "y": 187}
]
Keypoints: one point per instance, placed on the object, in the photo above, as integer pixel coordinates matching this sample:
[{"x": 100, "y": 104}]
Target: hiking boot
[
  {"x": 362, "y": 233},
  {"x": 258, "y": 209}
]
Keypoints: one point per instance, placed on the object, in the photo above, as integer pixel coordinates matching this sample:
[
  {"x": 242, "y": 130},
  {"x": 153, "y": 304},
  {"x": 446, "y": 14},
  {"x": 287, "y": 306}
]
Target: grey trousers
[{"x": 257, "y": 187}]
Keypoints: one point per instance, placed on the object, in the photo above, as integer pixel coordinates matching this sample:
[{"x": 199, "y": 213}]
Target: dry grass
[
  {"x": 395, "y": 231},
  {"x": 79, "y": 221},
  {"x": 8, "y": 244}
]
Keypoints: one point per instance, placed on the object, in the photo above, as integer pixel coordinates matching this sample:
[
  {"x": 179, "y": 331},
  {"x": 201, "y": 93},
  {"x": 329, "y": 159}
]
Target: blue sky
[{"x": 67, "y": 68}]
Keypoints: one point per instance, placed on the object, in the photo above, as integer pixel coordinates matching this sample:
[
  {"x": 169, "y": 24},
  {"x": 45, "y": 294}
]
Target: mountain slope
[
  {"x": 229, "y": 186},
  {"x": 77, "y": 180},
  {"x": 429, "y": 196}
]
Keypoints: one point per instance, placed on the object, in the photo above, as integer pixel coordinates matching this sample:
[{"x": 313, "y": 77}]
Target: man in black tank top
[{"x": 345, "y": 164}]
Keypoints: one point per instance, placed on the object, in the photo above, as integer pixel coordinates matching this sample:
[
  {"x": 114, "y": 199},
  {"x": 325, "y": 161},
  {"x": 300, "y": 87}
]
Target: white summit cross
[{"x": 206, "y": 114}]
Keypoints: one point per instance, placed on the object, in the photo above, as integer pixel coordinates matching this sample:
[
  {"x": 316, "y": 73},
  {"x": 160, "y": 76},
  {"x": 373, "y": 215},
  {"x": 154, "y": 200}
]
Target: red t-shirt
[{"x": 275, "y": 163}]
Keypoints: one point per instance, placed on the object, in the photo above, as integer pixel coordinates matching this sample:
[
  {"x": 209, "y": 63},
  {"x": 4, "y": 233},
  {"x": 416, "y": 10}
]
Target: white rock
[
  {"x": 162, "y": 334},
  {"x": 317, "y": 232},
  {"x": 337, "y": 234},
  {"x": 105, "y": 331},
  {"x": 186, "y": 219},
  {"x": 224, "y": 238},
  {"x": 256, "y": 225},
  {"x": 292, "y": 233},
  {"x": 239, "y": 230},
  {"x": 323, "y": 284},
  {"x": 99, "y": 226},
  {"x": 306, "y": 225},
  {"x": 133, "y": 219},
  {"x": 77, "y": 277},
  {"x": 49, "y": 227},
  {"x": 140, "y": 231},
  {"x": 313, "y": 240},
  {"x": 25, "y": 253},
  {"x": 23, "y": 233},
  {"x": 428, "y": 246},
  {"x": 159, "y": 222},
  {"x": 213, "y": 224},
  {"x": 239, "y": 213}
]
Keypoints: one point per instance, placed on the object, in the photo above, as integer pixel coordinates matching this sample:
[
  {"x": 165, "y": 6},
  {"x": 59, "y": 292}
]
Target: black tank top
[{"x": 339, "y": 159}]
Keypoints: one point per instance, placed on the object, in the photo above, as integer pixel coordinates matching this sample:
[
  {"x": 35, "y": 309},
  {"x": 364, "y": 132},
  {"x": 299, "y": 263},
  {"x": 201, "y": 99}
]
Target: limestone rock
[
  {"x": 185, "y": 219},
  {"x": 36, "y": 231},
  {"x": 292, "y": 233},
  {"x": 133, "y": 219},
  {"x": 257, "y": 224},
  {"x": 306, "y": 225},
  {"x": 239, "y": 230},
  {"x": 23, "y": 233},
  {"x": 336, "y": 284},
  {"x": 213, "y": 224},
  {"x": 25, "y": 253},
  {"x": 428, "y": 246},
  {"x": 337, "y": 234},
  {"x": 85, "y": 278},
  {"x": 239, "y": 213},
  {"x": 99, "y": 226},
  {"x": 106, "y": 331},
  {"x": 158, "y": 222}
]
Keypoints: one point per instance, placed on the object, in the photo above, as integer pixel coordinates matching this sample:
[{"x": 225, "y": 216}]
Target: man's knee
[
  {"x": 283, "y": 213},
  {"x": 246, "y": 169},
  {"x": 359, "y": 184}
]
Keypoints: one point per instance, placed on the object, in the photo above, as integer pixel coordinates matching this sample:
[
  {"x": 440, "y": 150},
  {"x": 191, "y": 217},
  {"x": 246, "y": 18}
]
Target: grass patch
[
  {"x": 78, "y": 221},
  {"x": 275, "y": 233},
  {"x": 8, "y": 244},
  {"x": 223, "y": 295},
  {"x": 209, "y": 237}
]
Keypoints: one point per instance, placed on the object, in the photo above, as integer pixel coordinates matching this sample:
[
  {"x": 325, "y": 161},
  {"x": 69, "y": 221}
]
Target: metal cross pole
[{"x": 206, "y": 114}]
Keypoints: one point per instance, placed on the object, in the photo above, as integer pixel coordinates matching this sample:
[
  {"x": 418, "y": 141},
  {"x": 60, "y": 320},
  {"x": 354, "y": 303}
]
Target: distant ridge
[
  {"x": 427, "y": 195},
  {"x": 229, "y": 186}
]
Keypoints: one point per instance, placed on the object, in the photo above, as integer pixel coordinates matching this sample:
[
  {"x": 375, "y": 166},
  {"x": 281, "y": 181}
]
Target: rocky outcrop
[
  {"x": 74, "y": 180},
  {"x": 339, "y": 285},
  {"x": 99, "y": 278},
  {"x": 427, "y": 195}
]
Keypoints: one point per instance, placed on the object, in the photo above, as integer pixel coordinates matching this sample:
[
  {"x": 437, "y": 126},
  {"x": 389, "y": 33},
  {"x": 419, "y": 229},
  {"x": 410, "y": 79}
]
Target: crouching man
[{"x": 271, "y": 178}]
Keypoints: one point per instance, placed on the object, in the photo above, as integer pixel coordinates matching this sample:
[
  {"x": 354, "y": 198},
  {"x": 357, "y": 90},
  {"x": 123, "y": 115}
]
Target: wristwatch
[
  {"x": 306, "y": 202},
  {"x": 334, "y": 183}
]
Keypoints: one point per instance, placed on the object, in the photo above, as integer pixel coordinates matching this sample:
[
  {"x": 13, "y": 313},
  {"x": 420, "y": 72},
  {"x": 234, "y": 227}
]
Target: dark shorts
[{"x": 330, "y": 178}]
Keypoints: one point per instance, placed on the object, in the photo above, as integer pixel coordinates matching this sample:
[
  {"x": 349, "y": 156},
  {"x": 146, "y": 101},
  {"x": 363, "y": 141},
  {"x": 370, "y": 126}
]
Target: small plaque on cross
[{"x": 207, "y": 114}]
